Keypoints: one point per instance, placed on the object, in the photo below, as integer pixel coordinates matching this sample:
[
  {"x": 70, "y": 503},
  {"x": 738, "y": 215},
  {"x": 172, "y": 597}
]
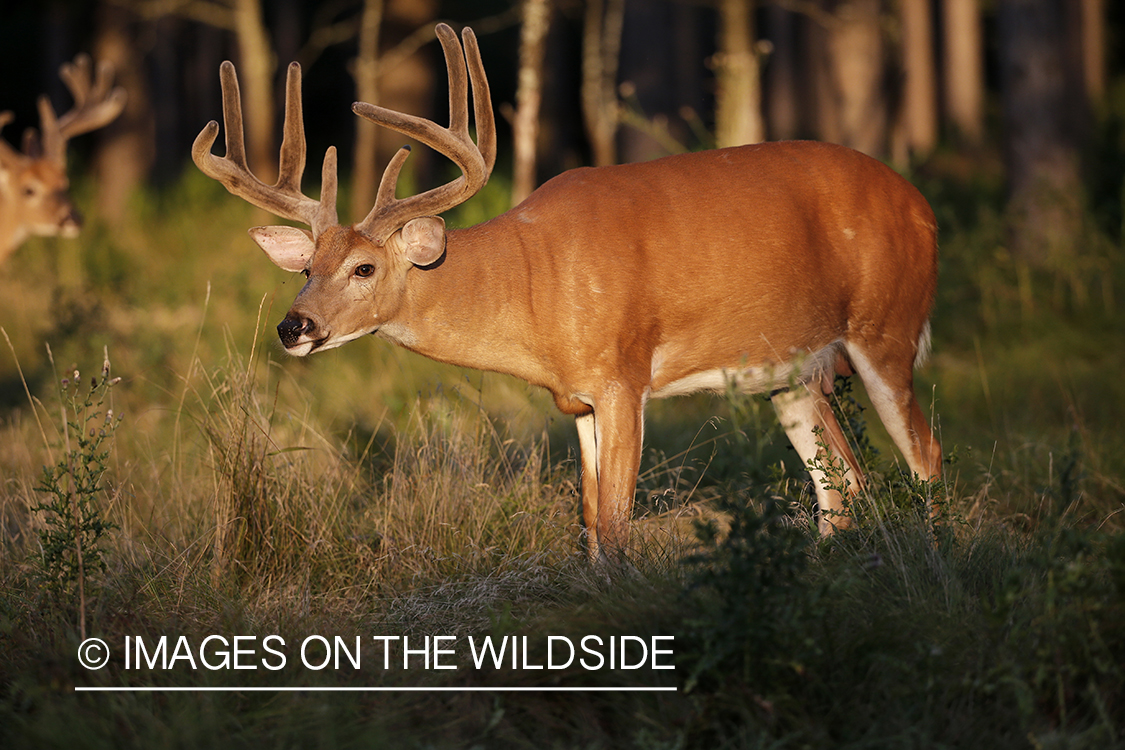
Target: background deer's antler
[{"x": 96, "y": 104}]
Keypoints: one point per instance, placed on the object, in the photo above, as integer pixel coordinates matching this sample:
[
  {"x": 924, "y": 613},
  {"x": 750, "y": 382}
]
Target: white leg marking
[{"x": 588, "y": 455}]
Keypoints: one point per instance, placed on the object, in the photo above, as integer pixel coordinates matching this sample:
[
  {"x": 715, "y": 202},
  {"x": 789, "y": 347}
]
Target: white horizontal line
[{"x": 311, "y": 689}]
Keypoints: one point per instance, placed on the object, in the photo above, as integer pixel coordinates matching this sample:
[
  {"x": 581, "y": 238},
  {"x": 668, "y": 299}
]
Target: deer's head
[
  {"x": 356, "y": 273},
  {"x": 34, "y": 189}
]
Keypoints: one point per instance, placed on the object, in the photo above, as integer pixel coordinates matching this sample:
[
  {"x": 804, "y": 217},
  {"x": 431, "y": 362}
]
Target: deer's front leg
[
  {"x": 588, "y": 453},
  {"x": 612, "y": 435}
]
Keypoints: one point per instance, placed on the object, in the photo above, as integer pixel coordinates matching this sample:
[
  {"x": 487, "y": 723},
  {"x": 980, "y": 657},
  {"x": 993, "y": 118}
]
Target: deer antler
[
  {"x": 95, "y": 105},
  {"x": 284, "y": 197},
  {"x": 475, "y": 161}
]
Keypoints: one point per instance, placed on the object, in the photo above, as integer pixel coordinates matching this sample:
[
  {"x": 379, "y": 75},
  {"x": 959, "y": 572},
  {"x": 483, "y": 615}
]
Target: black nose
[{"x": 291, "y": 329}]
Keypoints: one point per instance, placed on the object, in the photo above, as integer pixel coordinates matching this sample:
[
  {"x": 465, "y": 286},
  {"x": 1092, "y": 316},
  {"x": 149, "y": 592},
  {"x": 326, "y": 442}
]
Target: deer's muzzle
[{"x": 294, "y": 328}]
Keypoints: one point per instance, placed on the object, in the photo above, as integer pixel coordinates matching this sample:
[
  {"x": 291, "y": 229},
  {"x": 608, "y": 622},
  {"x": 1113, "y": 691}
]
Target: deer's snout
[
  {"x": 71, "y": 222},
  {"x": 294, "y": 328}
]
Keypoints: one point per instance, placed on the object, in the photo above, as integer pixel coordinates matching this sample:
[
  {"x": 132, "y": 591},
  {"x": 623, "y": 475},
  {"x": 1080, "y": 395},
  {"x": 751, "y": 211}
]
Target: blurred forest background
[{"x": 1018, "y": 85}]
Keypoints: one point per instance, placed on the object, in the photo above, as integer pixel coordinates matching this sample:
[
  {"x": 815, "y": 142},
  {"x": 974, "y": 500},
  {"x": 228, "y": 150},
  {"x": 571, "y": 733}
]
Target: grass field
[{"x": 368, "y": 493}]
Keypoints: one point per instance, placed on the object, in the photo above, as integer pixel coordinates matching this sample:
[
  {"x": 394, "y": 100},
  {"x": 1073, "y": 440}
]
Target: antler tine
[
  {"x": 96, "y": 104},
  {"x": 474, "y": 159},
  {"x": 458, "y": 81},
  {"x": 326, "y": 213},
  {"x": 482, "y": 103},
  {"x": 284, "y": 197},
  {"x": 51, "y": 143},
  {"x": 292, "y": 164},
  {"x": 387, "y": 185},
  {"x": 235, "y": 138}
]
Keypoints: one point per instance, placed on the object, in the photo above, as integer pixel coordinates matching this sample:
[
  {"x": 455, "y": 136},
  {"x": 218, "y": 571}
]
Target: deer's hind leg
[{"x": 890, "y": 386}]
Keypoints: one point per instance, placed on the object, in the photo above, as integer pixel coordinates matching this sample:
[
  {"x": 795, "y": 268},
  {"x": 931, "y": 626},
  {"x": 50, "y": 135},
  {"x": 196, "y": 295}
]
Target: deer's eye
[
  {"x": 306, "y": 273},
  {"x": 364, "y": 270}
]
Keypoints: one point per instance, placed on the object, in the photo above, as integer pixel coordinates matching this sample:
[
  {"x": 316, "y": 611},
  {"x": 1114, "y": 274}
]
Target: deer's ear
[
  {"x": 423, "y": 240},
  {"x": 289, "y": 247}
]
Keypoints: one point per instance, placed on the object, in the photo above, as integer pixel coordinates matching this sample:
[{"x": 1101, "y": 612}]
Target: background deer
[
  {"x": 34, "y": 197},
  {"x": 769, "y": 267}
]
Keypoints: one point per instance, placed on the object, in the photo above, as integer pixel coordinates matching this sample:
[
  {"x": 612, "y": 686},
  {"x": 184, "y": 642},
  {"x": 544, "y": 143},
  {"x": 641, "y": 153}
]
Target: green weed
[{"x": 71, "y": 542}]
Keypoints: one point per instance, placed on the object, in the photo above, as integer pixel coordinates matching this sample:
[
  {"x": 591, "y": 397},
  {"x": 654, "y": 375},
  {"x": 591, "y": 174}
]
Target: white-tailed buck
[
  {"x": 34, "y": 197},
  {"x": 770, "y": 266}
]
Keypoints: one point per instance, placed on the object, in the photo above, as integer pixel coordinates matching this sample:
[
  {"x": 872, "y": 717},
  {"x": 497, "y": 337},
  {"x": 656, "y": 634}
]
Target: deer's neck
[{"x": 475, "y": 309}]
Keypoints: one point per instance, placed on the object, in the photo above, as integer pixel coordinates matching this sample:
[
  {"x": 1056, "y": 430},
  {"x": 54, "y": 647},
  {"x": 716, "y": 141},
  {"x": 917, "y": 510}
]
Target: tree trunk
[
  {"x": 1092, "y": 42},
  {"x": 365, "y": 173},
  {"x": 525, "y": 127},
  {"x": 738, "y": 105},
  {"x": 920, "y": 89},
  {"x": 126, "y": 148},
  {"x": 1040, "y": 113},
  {"x": 601, "y": 49},
  {"x": 853, "y": 102},
  {"x": 397, "y": 73},
  {"x": 255, "y": 75},
  {"x": 407, "y": 74},
  {"x": 782, "y": 90},
  {"x": 964, "y": 68}
]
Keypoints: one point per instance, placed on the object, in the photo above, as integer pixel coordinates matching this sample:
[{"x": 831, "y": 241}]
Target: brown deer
[
  {"x": 768, "y": 267},
  {"x": 34, "y": 189}
]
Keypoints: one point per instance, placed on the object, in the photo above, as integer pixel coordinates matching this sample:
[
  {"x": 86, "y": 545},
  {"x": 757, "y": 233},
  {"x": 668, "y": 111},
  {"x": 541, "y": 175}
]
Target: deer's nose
[
  {"x": 294, "y": 327},
  {"x": 70, "y": 223}
]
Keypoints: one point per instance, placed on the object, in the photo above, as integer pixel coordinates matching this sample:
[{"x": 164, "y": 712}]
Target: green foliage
[
  {"x": 1061, "y": 613},
  {"x": 752, "y": 433},
  {"x": 71, "y": 544},
  {"x": 849, "y": 414},
  {"x": 750, "y": 599}
]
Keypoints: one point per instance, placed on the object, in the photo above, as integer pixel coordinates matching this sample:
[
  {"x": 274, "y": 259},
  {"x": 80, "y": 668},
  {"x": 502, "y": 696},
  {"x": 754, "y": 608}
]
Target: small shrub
[
  {"x": 71, "y": 539},
  {"x": 752, "y": 598}
]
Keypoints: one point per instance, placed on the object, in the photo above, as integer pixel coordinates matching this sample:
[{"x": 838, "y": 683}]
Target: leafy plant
[
  {"x": 849, "y": 413},
  {"x": 752, "y": 597},
  {"x": 70, "y": 540}
]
